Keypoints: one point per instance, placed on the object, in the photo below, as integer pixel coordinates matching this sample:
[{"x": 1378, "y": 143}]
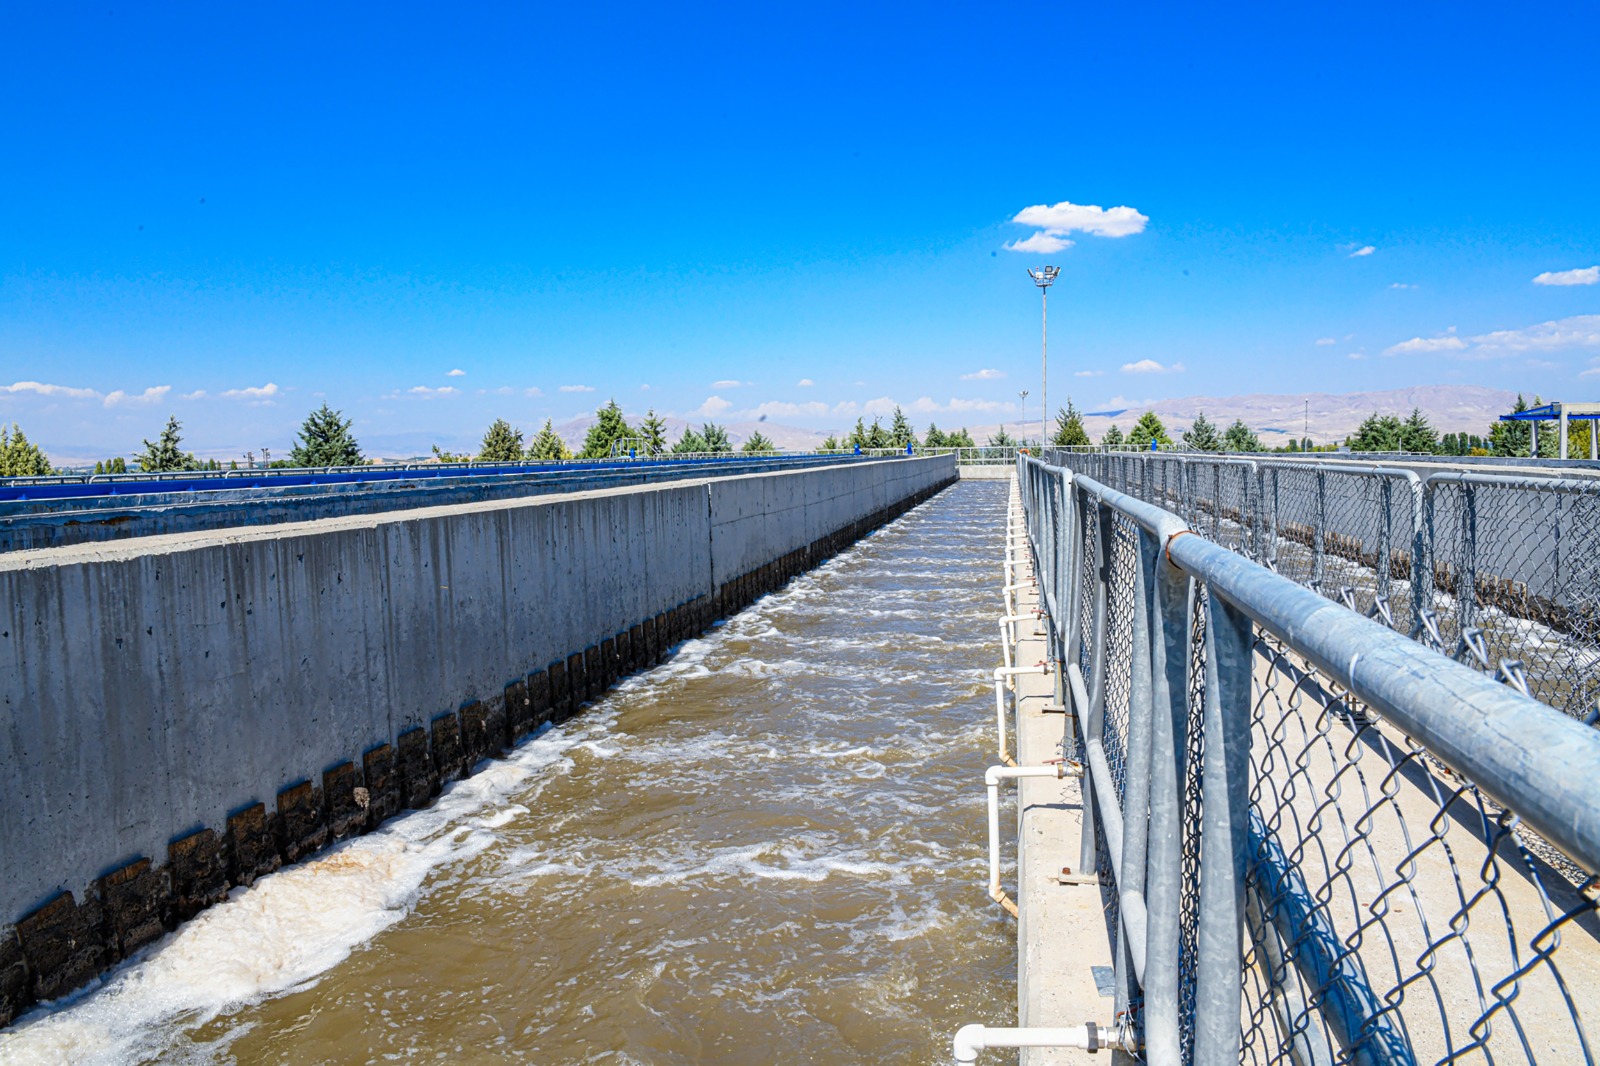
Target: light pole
[
  {"x": 1044, "y": 279},
  {"x": 1022, "y": 405}
]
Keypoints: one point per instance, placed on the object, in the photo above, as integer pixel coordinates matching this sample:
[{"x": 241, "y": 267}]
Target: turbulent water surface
[{"x": 769, "y": 849}]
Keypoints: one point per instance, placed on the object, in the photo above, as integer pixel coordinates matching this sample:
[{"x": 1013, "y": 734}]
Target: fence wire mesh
[{"x": 1391, "y": 910}]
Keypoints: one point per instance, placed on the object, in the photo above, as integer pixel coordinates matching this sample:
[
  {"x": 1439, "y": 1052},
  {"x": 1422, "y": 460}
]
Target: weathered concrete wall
[{"x": 188, "y": 711}]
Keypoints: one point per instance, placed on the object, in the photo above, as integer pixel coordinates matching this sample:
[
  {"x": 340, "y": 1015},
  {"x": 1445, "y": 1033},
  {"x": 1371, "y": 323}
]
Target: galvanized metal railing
[
  {"x": 1321, "y": 841},
  {"x": 1500, "y": 572}
]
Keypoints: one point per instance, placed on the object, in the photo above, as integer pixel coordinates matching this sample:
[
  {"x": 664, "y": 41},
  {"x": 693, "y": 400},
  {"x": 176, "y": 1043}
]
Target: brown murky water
[{"x": 770, "y": 849}]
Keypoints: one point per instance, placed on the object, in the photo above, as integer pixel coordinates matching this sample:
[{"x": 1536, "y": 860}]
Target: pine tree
[
  {"x": 1202, "y": 435},
  {"x": 1069, "y": 428},
  {"x": 1147, "y": 429},
  {"x": 877, "y": 436},
  {"x": 831, "y": 444},
  {"x": 325, "y": 440},
  {"x": 959, "y": 439},
  {"x": 654, "y": 432},
  {"x": 900, "y": 431},
  {"x": 689, "y": 443},
  {"x": 758, "y": 444},
  {"x": 1418, "y": 435},
  {"x": 1377, "y": 433},
  {"x": 716, "y": 439},
  {"x": 19, "y": 457},
  {"x": 858, "y": 436},
  {"x": 501, "y": 443},
  {"x": 933, "y": 438},
  {"x": 165, "y": 454},
  {"x": 1113, "y": 440},
  {"x": 547, "y": 445},
  {"x": 609, "y": 427},
  {"x": 1240, "y": 438},
  {"x": 1002, "y": 439},
  {"x": 1511, "y": 439}
]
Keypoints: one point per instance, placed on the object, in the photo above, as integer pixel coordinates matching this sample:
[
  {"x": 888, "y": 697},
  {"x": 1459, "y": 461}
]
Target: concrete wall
[{"x": 160, "y": 695}]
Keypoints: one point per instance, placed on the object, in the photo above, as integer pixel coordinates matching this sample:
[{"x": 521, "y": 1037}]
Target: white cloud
[
  {"x": 457, "y": 373},
  {"x": 1400, "y": 285},
  {"x": 577, "y": 388},
  {"x": 805, "y": 383},
  {"x": 881, "y": 405},
  {"x": 533, "y": 390},
  {"x": 1592, "y": 372},
  {"x": 984, "y": 375},
  {"x": 504, "y": 390},
  {"x": 1355, "y": 355},
  {"x": 1579, "y": 331},
  {"x": 1426, "y": 345},
  {"x": 197, "y": 394},
  {"x": 44, "y": 389},
  {"x": 1581, "y": 276},
  {"x": 713, "y": 406},
  {"x": 150, "y": 395},
  {"x": 255, "y": 392},
  {"x": 1362, "y": 251},
  {"x": 731, "y": 384},
  {"x": 1042, "y": 243},
  {"x": 846, "y": 407},
  {"x": 644, "y": 388},
  {"x": 1088, "y": 373},
  {"x": 1150, "y": 366},
  {"x": 423, "y": 392},
  {"x": 1323, "y": 342},
  {"x": 784, "y": 409},
  {"x": 1064, "y": 218},
  {"x": 979, "y": 405}
]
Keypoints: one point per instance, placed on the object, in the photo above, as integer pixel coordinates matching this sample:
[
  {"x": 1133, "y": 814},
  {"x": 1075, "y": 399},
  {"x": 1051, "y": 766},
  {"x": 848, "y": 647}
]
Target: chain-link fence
[
  {"x": 1502, "y": 573},
  {"x": 1321, "y": 842}
]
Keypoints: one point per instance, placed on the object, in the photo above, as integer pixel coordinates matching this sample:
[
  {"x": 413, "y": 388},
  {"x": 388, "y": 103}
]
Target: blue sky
[{"x": 233, "y": 215}]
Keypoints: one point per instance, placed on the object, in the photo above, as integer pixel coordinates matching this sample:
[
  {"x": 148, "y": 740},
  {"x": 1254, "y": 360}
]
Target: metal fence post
[
  {"x": 1319, "y": 561},
  {"x": 1088, "y": 861},
  {"x": 1225, "y": 805},
  {"x": 1466, "y": 572}
]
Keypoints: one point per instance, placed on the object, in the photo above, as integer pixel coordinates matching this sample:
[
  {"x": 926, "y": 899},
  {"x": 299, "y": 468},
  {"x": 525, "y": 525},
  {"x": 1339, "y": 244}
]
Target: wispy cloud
[
  {"x": 984, "y": 375},
  {"x": 1323, "y": 342},
  {"x": 533, "y": 390},
  {"x": 1562, "y": 334},
  {"x": 577, "y": 388},
  {"x": 713, "y": 406},
  {"x": 423, "y": 392},
  {"x": 254, "y": 392},
  {"x": 1400, "y": 285},
  {"x": 41, "y": 388},
  {"x": 1055, "y": 222},
  {"x": 123, "y": 399},
  {"x": 1581, "y": 276},
  {"x": 1088, "y": 373},
  {"x": 1364, "y": 250},
  {"x": 730, "y": 384},
  {"x": 1150, "y": 366},
  {"x": 805, "y": 383},
  {"x": 197, "y": 394},
  {"x": 785, "y": 409},
  {"x": 457, "y": 373},
  {"x": 1355, "y": 355},
  {"x": 881, "y": 405}
]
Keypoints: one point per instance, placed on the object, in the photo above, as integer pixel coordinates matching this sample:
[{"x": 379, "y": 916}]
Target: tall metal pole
[{"x": 1044, "y": 278}]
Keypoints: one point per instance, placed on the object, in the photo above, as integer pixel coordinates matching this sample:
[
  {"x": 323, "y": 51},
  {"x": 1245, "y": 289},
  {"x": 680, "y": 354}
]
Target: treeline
[{"x": 610, "y": 435}]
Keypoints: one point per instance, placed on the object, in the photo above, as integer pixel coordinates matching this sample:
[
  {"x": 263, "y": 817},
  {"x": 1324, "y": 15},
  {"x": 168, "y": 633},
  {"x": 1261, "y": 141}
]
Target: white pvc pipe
[
  {"x": 1000, "y": 675},
  {"x": 992, "y": 778},
  {"x": 971, "y": 1039}
]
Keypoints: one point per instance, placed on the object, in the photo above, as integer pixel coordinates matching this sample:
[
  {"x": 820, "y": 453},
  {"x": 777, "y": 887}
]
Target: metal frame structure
[
  {"x": 1324, "y": 842},
  {"x": 1562, "y": 414}
]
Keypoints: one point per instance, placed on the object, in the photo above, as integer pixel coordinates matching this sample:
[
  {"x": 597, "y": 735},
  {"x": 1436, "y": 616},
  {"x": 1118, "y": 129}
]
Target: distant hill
[{"x": 1333, "y": 416}]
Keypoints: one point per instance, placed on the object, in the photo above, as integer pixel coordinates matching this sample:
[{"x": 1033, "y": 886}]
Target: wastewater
[{"x": 768, "y": 849}]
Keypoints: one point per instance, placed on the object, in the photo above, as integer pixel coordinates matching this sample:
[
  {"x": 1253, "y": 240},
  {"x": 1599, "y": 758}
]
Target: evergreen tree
[
  {"x": 1147, "y": 429},
  {"x": 325, "y": 440},
  {"x": 689, "y": 443},
  {"x": 858, "y": 436},
  {"x": 501, "y": 443},
  {"x": 1418, "y": 435},
  {"x": 438, "y": 453},
  {"x": 1511, "y": 439},
  {"x": 1002, "y": 439},
  {"x": 609, "y": 427},
  {"x": 830, "y": 445},
  {"x": 165, "y": 454},
  {"x": 1202, "y": 435},
  {"x": 716, "y": 438},
  {"x": 900, "y": 431},
  {"x": 1069, "y": 428},
  {"x": 877, "y": 436},
  {"x": 20, "y": 457},
  {"x": 959, "y": 439},
  {"x": 1113, "y": 440},
  {"x": 1240, "y": 438},
  {"x": 654, "y": 432},
  {"x": 547, "y": 445},
  {"x": 758, "y": 444},
  {"x": 1377, "y": 433},
  {"x": 933, "y": 438}
]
